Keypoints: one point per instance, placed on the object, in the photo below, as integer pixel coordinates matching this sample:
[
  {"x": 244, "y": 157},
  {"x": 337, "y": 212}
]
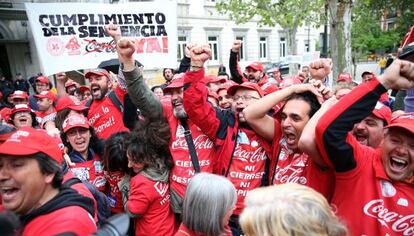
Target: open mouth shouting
[{"x": 96, "y": 91}]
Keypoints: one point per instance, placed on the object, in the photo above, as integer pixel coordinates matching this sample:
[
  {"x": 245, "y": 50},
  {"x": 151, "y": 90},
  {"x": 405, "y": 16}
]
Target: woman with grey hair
[{"x": 208, "y": 204}]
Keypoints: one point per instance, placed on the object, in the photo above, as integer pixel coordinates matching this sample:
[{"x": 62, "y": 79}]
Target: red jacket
[
  {"x": 67, "y": 212},
  {"x": 241, "y": 152},
  {"x": 365, "y": 198}
]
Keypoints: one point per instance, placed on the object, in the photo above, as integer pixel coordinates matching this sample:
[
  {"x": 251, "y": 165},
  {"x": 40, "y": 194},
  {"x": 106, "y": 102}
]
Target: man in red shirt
[
  {"x": 374, "y": 188},
  {"x": 45, "y": 103},
  {"x": 103, "y": 114},
  {"x": 173, "y": 110},
  {"x": 30, "y": 186},
  {"x": 370, "y": 131},
  {"x": 254, "y": 72}
]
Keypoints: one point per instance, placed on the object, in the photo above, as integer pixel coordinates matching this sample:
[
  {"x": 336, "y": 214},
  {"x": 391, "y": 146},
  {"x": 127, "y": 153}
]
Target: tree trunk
[
  {"x": 340, "y": 36},
  {"x": 291, "y": 40}
]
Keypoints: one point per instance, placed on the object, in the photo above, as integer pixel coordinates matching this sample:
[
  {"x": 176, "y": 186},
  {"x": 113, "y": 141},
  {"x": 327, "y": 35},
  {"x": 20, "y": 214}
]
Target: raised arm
[
  {"x": 198, "y": 109},
  {"x": 333, "y": 127},
  {"x": 236, "y": 74},
  {"x": 138, "y": 91},
  {"x": 60, "y": 84},
  {"x": 256, "y": 113}
]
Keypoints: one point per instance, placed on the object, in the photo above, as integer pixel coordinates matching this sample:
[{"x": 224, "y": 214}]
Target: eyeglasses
[{"x": 244, "y": 98}]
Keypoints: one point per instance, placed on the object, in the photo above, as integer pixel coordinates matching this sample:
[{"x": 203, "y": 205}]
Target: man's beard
[
  {"x": 180, "y": 114},
  {"x": 104, "y": 91}
]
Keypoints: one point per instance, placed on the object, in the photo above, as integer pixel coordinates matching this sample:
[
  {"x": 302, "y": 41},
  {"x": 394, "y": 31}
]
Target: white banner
[{"x": 71, "y": 36}]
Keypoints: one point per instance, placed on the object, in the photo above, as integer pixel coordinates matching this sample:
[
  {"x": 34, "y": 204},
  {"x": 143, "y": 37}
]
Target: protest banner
[{"x": 71, "y": 36}]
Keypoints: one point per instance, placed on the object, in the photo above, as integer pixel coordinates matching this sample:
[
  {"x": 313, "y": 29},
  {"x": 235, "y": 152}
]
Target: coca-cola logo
[
  {"x": 290, "y": 175},
  {"x": 400, "y": 223},
  {"x": 248, "y": 156},
  {"x": 200, "y": 142}
]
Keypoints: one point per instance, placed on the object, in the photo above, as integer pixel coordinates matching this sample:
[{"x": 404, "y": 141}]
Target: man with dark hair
[
  {"x": 31, "y": 186},
  {"x": 291, "y": 165},
  {"x": 168, "y": 74},
  {"x": 21, "y": 84}
]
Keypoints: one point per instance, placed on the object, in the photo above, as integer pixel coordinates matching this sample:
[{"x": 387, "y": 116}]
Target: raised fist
[
  {"x": 236, "y": 45},
  {"x": 321, "y": 68},
  {"x": 399, "y": 75},
  {"x": 187, "y": 49},
  {"x": 61, "y": 76},
  {"x": 114, "y": 31},
  {"x": 200, "y": 54}
]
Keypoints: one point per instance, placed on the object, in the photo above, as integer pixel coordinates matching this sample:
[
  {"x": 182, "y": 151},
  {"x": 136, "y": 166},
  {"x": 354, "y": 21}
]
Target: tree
[{"x": 289, "y": 14}]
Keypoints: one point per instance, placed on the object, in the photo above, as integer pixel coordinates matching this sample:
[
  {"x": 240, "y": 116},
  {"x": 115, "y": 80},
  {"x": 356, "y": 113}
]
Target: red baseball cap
[
  {"x": 344, "y": 77},
  {"x": 176, "y": 82},
  {"x": 73, "y": 121},
  {"x": 42, "y": 79},
  {"x": 98, "y": 72},
  {"x": 382, "y": 112},
  {"x": 213, "y": 79},
  {"x": 19, "y": 94},
  {"x": 247, "y": 85},
  {"x": 46, "y": 94},
  {"x": 213, "y": 95},
  {"x": 405, "y": 121},
  {"x": 84, "y": 88},
  {"x": 19, "y": 108},
  {"x": 68, "y": 102},
  {"x": 29, "y": 141},
  {"x": 256, "y": 66},
  {"x": 70, "y": 83}
]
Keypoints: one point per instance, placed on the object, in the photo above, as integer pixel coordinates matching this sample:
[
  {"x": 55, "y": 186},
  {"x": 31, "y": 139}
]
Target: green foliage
[
  {"x": 367, "y": 36},
  {"x": 288, "y": 14}
]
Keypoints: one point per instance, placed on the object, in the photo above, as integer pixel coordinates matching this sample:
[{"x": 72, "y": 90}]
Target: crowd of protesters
[{"x": 250, "y": 153}]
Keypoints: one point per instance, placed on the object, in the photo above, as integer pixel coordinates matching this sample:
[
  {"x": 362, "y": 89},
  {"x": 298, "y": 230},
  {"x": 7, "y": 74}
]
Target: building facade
[{"x": 197, "y": 21}]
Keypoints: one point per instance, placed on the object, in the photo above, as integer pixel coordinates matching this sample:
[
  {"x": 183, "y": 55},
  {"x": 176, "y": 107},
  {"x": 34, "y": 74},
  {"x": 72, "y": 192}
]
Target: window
[
  {"x": 282, "y": 47},
  {"x": 307, "y": 46},
  {"x": 213, "y": 42},
  {"x": 242, "y": 55},
  {"x": 182, "y": 42},
  {"x": 263, "y": 48}
]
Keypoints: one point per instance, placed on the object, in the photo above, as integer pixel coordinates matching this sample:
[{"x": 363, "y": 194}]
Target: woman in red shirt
[{"x": 149, "y": 196}]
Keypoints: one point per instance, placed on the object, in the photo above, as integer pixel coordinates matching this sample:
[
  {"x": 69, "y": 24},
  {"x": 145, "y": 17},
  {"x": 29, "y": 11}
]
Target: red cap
[
  {"x": 19, "y": 108},
  {"x": 256, "y": 66},
  {"x": 213, "y": 79},
  {"x": 83, "y": 88},
  {"x": 75, "y": 121},
  {"x": 176, "y": 82},
  {"x": 344, "y": 77},
  {"x": 405, "y": 121},
  {"x": 20, "y": 94},
  {"x": 98, "y": 72},
  {"x": 383, "y": 112},
  {"x": 70, "y": 83},
  {"x": 5, "y": 113},
  {"x": 286, "y": 82},
  {"x": 247, "y": 85},
  {"x": 68, "y": 102},
  {"x": 213, "y": 95},
  {"x": 42, "y": 79},
  {"x": 29, "y": 141},
  {"x": 46, "y": 94}
]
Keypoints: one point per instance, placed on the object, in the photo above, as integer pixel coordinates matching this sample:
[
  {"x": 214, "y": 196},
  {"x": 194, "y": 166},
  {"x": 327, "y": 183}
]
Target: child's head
[{"x": 115, "y": 158}]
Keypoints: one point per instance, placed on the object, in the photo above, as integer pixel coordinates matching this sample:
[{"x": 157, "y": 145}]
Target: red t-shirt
[
  {"x": 105, "y": 117},
  {"x": 183, "y": 169},
  {"x": 368, "y": 201},
  {"x": 71, "y": 219},
  {"x": 115, "y": 195},
  {"x": 247, "y": 165},
  {"x": 299, "y": 168},
  {"x": 151, "y": 200}
]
